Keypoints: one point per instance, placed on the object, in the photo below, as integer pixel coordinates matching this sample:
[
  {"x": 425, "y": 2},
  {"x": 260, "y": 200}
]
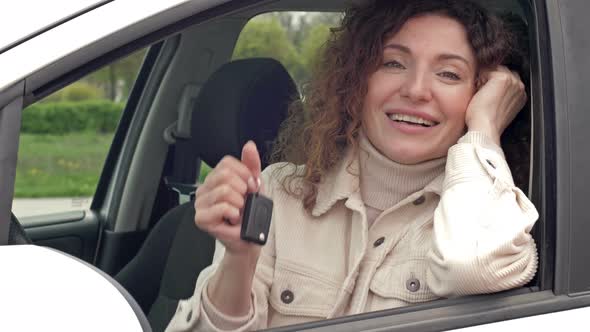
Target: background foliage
[
  {"x": 66, "y": 136},
  {"x": 292, "y": 38},
  {"x": 58, "y": 118}
]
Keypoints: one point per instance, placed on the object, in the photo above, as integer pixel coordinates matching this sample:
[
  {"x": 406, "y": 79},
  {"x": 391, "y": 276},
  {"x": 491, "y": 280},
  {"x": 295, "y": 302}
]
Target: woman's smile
[{"x": 411, "y": 122}]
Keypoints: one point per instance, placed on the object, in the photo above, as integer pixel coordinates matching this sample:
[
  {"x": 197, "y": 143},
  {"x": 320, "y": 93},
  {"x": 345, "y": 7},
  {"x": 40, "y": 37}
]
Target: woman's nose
[{"x": 417, "y": 88}]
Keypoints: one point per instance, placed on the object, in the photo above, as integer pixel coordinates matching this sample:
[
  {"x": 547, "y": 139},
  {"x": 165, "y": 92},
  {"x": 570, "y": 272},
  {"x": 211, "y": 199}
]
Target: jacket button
[
  {"x": 378, "y": 242},
  {"x": 491, "y": 164},
  {"x": 287, "y": 296},
  {"x": 189, "y": 316},
  {"x": 413, "y": 285},
  {"x": 419, "y": 200}
]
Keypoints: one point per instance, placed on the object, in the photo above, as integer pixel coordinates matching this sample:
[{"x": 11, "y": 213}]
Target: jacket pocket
[
  {"x": 302, "y": 293},
  {"x": 405, "y": 281}
]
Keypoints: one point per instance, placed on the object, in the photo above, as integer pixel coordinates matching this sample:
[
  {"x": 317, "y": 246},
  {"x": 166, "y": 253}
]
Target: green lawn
[
  {"x": 63, "y": 166},
  {"x": 60, "y": 166}
]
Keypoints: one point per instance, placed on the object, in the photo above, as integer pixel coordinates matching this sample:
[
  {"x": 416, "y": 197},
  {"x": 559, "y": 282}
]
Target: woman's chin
[
  {"x": 408, "y": 158},
  {"x": 412, "y": 152}
]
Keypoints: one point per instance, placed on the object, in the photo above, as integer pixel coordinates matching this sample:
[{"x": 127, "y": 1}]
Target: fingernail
[
  {"x": 259, "y": 183},
  {"x": 251, "y": 184}
]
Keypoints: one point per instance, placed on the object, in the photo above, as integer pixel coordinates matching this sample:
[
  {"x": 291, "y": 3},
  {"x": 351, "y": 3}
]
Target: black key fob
[{"x": 256, "y": 218}]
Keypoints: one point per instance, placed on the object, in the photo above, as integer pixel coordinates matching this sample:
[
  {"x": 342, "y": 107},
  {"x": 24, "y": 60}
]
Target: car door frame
[
  {"x": 80, "y": 233},
  {"x": 562, "y": 65}
]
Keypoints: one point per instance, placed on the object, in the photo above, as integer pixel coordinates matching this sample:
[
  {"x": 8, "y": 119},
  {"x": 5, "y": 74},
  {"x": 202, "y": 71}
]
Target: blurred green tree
[
  {"x": 117, "y": 78},
  {"x": 266, "y": 37},
  {"x": 315, "y": 38},
  {"x": 293, "y": 38},
  {"x": 76, "y": 91}
]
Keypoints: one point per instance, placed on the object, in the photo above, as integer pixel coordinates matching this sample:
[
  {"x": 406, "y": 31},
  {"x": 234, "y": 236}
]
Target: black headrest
[{"x": 243, "y": 100}]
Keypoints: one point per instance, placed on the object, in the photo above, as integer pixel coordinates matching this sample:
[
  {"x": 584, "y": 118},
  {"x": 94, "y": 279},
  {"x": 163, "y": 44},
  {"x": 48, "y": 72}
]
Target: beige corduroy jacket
[{"x": 466, "y": 232}]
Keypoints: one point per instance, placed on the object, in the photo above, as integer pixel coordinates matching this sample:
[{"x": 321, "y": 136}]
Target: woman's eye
[
  {"x": 393, "y": 64},
  {"x": 450, "y": 75}
]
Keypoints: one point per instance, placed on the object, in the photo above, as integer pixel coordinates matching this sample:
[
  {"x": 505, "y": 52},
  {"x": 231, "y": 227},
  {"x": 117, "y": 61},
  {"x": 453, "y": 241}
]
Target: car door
[{"x": 559, "y": 66}]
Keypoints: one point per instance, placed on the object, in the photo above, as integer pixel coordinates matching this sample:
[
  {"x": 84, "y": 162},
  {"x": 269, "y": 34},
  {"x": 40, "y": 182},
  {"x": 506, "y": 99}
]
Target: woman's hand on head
[
  {"x": 220, "y": 200},
  {"x": 497, "y": 102}
]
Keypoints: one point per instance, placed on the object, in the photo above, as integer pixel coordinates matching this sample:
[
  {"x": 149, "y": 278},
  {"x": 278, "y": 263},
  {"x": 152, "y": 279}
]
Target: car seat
[{"x": 243, "y": 100}]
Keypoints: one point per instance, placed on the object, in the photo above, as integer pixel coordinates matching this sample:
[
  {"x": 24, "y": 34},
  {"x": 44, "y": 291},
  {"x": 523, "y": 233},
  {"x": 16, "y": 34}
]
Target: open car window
[
  {"x": 65, "y": 138},
  {"x": 537, "y": 180},
  {"x": 272, "y": 35}
]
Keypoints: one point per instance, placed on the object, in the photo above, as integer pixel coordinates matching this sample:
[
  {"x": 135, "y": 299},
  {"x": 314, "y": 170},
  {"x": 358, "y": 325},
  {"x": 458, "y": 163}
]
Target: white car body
[
  {"x": 79, "y": 32},
  {"x": 45, "y": 290},
  {"x": 38, "y": 48}
]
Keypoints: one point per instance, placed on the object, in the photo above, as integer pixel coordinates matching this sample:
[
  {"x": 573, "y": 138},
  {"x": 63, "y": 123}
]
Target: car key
[{"x": 256, "y": 218}]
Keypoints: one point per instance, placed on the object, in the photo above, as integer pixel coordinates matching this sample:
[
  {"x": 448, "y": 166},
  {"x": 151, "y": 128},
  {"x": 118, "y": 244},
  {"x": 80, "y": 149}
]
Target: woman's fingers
[
  {"x": 223, "y": 193},
  {"x": 210, "y": 220},
  {"x": 500, "y": 97},
  {"x": 226, "y": 176},
  {"x": 211, "y": 216},
  {"x": 251, "y": 159},
  {"x": 230, "y": 165}
]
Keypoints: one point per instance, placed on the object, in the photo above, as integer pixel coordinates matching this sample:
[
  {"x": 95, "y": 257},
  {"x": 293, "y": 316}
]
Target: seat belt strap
[
  {"x": 184, "y": 171},
  {"x": 185, "y": 167}
]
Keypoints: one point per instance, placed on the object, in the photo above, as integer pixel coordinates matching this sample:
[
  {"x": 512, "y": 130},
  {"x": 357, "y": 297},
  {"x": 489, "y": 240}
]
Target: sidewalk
[{"x": 26, "y": 207}]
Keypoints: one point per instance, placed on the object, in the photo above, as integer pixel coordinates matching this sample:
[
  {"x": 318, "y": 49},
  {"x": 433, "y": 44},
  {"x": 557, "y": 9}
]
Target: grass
[
  {"x": 63, "y": 165},
  {"x": 60, "y": 166}
]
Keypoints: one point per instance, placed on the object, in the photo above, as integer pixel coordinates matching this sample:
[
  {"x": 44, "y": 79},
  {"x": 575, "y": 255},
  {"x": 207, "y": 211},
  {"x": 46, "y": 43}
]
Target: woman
[{"x": 403, "y": 195}]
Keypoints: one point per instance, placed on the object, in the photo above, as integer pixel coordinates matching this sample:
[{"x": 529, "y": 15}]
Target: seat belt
[
  {"x": 186, "y": 166},
  {"x": 185, "y": 192},
  {"x": 10, "y": 122},
  {"x": 184, "y": 171}
]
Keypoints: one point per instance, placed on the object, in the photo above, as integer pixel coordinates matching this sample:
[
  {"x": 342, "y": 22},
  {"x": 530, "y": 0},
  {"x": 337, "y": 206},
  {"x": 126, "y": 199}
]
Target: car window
[
  {"x": 292, "y": 38},
  {"x": 65, "y": 138}
]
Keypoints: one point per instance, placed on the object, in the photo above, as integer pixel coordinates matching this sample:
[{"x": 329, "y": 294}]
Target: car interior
[
  {"x": 192, "y": 105},
  {"x": 243, "y": 100}
]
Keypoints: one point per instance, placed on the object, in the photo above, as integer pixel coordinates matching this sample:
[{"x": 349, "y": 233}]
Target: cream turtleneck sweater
[{"x": 384, "y": 183}]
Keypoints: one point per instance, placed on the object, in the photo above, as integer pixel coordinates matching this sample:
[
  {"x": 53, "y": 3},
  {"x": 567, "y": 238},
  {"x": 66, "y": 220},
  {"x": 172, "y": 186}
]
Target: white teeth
[{"x": 410, "y": 118}]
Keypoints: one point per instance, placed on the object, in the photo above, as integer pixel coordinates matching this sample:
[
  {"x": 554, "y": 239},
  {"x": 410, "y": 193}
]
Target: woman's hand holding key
[{"x": 219, "y": 204}]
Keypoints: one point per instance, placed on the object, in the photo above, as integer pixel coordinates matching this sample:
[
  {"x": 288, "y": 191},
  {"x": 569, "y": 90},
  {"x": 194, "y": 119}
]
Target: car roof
[
  {"x": 19, "y": 22},
  {"x": 133, "y": 17}
]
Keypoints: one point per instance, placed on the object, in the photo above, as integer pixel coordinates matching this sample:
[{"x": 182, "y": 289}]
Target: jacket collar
[{"x": 343, "y": 181}]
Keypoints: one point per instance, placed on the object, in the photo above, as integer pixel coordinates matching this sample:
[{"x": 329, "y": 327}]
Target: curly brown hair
[{"x": 328, "y": 119}]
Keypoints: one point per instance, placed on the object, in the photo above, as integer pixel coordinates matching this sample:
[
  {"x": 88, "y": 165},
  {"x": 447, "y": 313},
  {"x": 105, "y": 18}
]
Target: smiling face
[{"x": 415, "y": 105}]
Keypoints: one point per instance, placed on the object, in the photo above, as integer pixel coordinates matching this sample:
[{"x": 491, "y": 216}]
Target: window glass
[
  {"x": 293, "y": 38},
  {"x": 65, "y": 138}
]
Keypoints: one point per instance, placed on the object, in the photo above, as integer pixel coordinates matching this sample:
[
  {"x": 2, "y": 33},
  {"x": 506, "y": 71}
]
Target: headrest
[{"x": 243, "y": 100}]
